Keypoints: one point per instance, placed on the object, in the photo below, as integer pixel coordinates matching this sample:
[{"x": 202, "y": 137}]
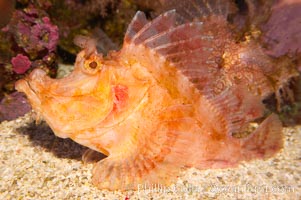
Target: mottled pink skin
[{"x": 20, "y": 64}]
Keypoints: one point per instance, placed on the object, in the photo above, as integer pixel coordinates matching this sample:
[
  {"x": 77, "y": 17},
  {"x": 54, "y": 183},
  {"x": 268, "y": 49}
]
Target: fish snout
[{"x": 32, "y": 85}]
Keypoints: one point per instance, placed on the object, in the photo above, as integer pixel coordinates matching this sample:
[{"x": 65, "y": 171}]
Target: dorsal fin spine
[{"x": 149, "y": 24}]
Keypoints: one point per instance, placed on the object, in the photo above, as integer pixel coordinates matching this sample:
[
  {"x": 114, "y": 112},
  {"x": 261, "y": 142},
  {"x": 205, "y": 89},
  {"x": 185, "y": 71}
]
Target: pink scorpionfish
[{"x": 178, "y": 94}]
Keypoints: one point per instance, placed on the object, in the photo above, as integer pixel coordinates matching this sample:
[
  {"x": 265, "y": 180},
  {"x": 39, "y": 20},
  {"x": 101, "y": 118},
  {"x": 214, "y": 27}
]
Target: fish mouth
[{"x": 31, "y": 85}]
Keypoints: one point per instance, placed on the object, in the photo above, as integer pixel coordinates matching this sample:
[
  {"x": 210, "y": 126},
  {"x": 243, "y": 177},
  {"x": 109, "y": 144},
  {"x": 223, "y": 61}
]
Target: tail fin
[{"x": 265, "y": 141}]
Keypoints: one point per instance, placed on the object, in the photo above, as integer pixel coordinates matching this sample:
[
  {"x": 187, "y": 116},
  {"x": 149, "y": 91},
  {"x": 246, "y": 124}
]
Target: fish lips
[{"x": 31, "y": 86}]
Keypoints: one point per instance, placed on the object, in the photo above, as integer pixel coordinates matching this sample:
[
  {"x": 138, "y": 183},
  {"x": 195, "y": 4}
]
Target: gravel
[{"x": 35, "y": 164}]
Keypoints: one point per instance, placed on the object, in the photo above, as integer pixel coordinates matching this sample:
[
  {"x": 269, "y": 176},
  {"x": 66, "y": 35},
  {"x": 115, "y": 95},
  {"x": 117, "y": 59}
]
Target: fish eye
[{"x": 92, "y": 66}]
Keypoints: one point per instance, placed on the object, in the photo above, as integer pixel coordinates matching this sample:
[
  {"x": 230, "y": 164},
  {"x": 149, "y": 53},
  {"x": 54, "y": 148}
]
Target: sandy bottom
[{"x": 34, "y": 164}]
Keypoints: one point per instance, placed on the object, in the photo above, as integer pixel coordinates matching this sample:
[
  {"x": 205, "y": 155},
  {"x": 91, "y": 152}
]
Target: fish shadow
[{"x": 41, "y": 135}]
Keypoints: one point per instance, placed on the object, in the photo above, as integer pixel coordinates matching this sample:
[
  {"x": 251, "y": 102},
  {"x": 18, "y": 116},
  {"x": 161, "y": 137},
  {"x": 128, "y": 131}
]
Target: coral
[
  {"x": 33, "y": 32},
  {"x": 282, "y": 32},
  {"x": 28, "y": 41},
  {"x": 75, "y": 17},
  {"x": 100, "y": 7},
  {"x": 116, "y": 24},
  {"x": 34, "y": 40},
  {"x": 282, "y": 38},
  {"x": 45, "y": 35},
  {"x": 13, "y": 106},
  {"x": 4, "y": 80},
  {"x": 20, "y": 64}
]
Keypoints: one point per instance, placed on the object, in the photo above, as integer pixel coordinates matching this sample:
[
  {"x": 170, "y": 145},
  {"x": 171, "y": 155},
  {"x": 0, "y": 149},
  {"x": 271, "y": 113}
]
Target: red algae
[{"x": 20, "y": 64}]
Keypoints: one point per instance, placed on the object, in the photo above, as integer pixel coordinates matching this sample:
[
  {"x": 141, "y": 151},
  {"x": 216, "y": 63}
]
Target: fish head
[{"x": 74, "y": 103}]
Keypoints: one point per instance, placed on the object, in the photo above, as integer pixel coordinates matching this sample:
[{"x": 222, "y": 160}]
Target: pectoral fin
[
  {"x": 128, "y": 173},
  {"x": 152, "y": 156}
]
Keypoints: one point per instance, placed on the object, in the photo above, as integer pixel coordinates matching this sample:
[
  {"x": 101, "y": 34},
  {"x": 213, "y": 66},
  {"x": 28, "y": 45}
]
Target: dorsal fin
[
  {"x": 136, "y": 24},
  {"x": 194, "y": 48},
  {"x": 162, "y": 23},
  {"x": 205, "y": 52}
]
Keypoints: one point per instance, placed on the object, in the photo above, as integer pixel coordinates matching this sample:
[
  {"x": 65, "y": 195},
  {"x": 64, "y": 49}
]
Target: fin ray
[
  {"x": 182, "y": 44},
  {"x": 163, "y": 22},
  {"x": 233, "y": 108},
  {"x": 153, "y": 157},
  {"x": 265, "y": 141},
  {"x": 174, "y": 34},
  {"x": 137, "y": 23}
]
